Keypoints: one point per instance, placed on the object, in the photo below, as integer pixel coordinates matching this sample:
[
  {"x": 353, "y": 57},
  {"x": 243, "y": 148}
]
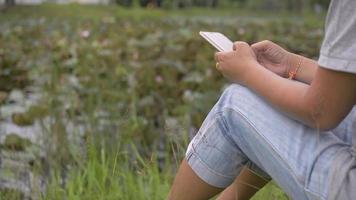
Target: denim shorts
[{"x": 243, "y": 130}]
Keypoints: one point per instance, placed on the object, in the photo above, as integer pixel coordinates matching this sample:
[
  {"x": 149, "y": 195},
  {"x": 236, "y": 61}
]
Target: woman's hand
[
  {"x": 237, "y": 64},
  {"x": 273, "y": 57}
]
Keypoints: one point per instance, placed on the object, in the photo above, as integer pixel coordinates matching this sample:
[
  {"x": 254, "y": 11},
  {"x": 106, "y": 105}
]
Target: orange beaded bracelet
[{"x": 293, "y": 74}]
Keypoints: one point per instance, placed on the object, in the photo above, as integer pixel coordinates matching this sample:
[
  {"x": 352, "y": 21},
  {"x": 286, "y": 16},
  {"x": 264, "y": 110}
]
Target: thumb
[{"x": 261, "y": 46}]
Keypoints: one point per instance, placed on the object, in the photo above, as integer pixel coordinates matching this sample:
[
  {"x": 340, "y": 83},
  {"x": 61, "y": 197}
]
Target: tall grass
[{"x": 104, "y": 176}]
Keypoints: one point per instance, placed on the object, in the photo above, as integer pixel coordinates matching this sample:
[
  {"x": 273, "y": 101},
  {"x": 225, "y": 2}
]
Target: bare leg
[
  {"x": 188, "y": 186},
  {"x": 244, "y": 187}
]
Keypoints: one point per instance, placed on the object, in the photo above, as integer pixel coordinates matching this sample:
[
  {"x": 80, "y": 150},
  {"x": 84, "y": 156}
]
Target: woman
[{"x": 299, "y": 132}]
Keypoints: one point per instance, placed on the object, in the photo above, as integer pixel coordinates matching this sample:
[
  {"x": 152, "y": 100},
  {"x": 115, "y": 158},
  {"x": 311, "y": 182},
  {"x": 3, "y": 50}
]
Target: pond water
[{"x": 15, "y": 165}]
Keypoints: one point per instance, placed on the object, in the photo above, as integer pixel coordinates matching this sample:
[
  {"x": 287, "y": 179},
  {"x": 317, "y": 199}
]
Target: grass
[
  {"x": 123, "y": 88},
  {"x": 104, "y": 176}
]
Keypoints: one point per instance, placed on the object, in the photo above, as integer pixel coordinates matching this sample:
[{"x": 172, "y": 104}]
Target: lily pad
[
  {"x": 15, "y": 143},
  {"x": 22, "y": 119}
]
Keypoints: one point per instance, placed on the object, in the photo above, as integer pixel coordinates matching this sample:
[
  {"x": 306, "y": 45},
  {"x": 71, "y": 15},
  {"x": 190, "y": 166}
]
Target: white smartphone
[{"x": 218, "y": 40}]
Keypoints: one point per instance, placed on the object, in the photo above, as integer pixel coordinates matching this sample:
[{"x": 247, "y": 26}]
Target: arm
[
  {"x": 281, "y": 62},
  {"x": 322, "y": 105}
]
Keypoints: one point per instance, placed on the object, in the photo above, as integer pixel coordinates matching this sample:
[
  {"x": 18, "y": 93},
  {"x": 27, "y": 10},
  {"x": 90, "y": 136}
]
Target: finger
[
  {"x": 238, "y": 44},
  {"x": 261, "y": 46},
  {"x": 219, "y": 56}
]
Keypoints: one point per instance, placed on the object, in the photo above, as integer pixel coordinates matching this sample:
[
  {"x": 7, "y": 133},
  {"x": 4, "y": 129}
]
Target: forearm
[
  {"x": 307, "y": 69},
  {"x": 286, "y": 95}
]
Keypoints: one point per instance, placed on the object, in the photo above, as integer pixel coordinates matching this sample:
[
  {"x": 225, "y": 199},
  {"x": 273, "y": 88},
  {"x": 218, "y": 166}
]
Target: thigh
[{"x": 303, "y": 161}]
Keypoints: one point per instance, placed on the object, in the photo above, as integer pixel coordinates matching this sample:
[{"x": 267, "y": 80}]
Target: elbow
[{"x": 322, "y": 121}]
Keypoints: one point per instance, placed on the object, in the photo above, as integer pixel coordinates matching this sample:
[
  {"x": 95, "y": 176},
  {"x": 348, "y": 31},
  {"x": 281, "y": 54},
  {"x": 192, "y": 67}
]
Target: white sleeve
[{"x": 338, "y": 51}]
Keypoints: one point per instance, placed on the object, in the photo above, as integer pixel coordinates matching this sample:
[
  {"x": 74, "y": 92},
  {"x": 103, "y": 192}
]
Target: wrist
[{"x": 293, "y": 63}]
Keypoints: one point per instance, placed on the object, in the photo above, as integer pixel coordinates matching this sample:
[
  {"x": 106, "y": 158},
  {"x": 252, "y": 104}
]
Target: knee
[
  {"x": 236, "y": 96},
  {"x": 239, "y": 105},
  {"x": 236, "y": 88}
]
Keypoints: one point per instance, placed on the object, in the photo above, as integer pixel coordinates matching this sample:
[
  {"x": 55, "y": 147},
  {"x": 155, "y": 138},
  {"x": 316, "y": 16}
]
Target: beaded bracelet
[{"x": 293, "y": 74}]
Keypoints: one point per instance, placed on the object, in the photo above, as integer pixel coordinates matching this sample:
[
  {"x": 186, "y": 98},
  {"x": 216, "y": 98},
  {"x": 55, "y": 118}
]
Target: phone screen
[{"x": 218, "y": 40}]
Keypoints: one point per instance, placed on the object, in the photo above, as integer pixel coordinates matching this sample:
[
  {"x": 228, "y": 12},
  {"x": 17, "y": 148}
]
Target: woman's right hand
[{"x": 273, "y": 57}]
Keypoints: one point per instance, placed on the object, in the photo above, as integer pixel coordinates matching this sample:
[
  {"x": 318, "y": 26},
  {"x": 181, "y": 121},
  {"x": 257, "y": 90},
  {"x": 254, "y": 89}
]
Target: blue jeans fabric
[{"x": 242, "y": 129}]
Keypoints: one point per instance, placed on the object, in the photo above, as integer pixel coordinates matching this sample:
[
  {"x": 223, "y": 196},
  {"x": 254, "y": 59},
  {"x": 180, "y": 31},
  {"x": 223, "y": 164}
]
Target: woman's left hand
[{"x": 237, "y": 64}]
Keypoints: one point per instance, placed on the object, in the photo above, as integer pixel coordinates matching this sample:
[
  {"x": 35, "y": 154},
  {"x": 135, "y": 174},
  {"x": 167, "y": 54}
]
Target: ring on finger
[{"x": 217, "y": 65}]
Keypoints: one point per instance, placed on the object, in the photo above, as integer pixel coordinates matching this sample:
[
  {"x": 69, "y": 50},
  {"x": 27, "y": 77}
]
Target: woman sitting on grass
[{"x": 292, "y": 120}]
